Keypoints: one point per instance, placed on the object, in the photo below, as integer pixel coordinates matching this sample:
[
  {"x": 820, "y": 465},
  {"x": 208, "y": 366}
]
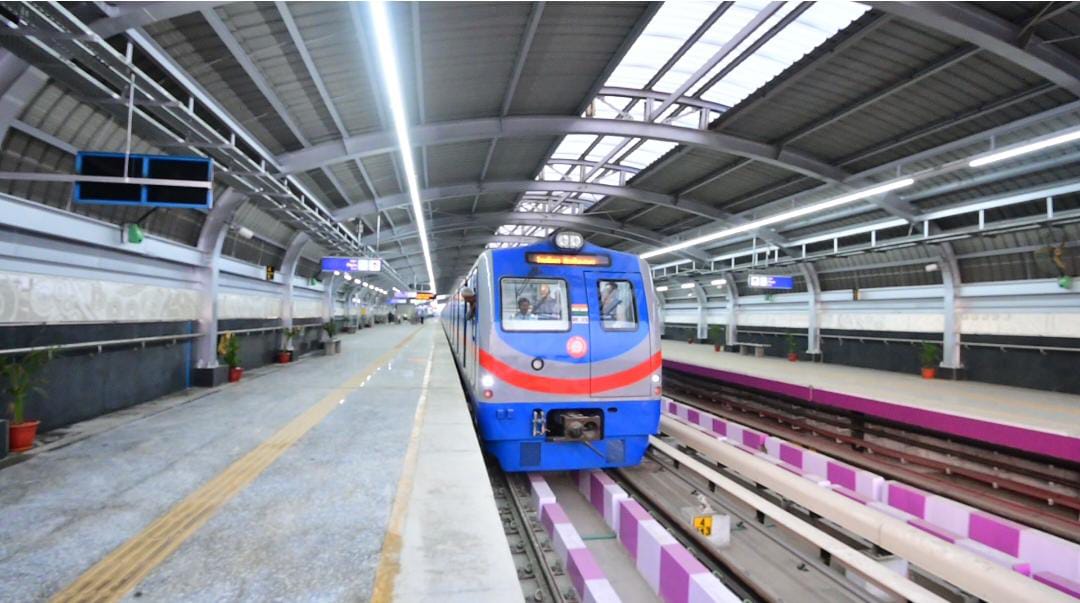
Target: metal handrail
[
  {"x": 973, "y": 344},
  {"x": 108, "y": 343}
]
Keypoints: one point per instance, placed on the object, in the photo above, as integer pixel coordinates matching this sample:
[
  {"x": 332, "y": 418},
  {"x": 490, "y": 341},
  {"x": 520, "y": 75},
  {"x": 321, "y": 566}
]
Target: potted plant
[
  {"x": 20, "y": 380},
  {"x": 230, "y": 353},
  {"x": 285, "y": 355},
  {"x": 929, "y": 357},
  {"x": 792, "y": 347},
  {"x": 332, "y": 345},
  {"x": 716, "y": 334}
]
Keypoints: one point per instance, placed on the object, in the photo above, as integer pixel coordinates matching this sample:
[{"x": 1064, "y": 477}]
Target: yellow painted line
[
  {"x": 390, "y": 557},
  {"x": 122, "y": 569}
]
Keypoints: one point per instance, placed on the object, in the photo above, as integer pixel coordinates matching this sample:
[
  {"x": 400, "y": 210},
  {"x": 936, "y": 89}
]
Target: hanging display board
[
  {"x": 766, "y": 281},
  {"x": 330, "y": 264},
  {"x": 156, "y": 180}
]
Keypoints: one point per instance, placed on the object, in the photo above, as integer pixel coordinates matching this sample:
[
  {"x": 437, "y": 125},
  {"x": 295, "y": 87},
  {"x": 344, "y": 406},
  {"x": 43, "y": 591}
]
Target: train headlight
[
  {"x": 487, "y": 381},
  {"x": 656, "y": 378},
  {"x": 569, "y": 239}
]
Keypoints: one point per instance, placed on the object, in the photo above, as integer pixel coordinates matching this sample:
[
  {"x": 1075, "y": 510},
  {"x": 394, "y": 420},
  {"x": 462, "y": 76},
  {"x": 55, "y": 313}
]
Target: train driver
[
  {"x": 609, "y": 302},
  {"x": 546, "y": 306},
  {"x": 524, "y": 310}
]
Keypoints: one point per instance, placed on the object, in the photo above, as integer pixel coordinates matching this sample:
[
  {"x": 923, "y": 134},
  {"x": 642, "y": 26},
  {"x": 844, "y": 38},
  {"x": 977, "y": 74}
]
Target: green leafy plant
[
  {"x": 230, "y": 350},
  {"x": 716, "y": 334},
  {"x": 929, "y": 354},
  {"x": 792, "y": 343},
  {"x": 290, "y": 334},
  {"x": 331, "y": 328},
  {"x": 21, "y": 377}
]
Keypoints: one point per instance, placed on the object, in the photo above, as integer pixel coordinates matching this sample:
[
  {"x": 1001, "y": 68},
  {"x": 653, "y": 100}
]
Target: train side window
[
  {"x": 534, "y": 304},
  {"x": 618, "y": 311}
]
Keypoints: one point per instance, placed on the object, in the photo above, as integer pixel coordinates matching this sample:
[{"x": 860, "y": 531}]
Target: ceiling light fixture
[
  {"x": 1024, "y": 149},
  {"x": 384, "y": 44},
  {"x": 783, "y": 216},
  {"x": 662, "y": 288},
  {"x": 719, "y": 282},
  {"x": 686, "y": 286}
]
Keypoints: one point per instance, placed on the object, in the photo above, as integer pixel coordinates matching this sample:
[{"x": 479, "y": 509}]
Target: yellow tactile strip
[
  {"x": 390, "y": 557},
  {"x": 115, "y": 575}
]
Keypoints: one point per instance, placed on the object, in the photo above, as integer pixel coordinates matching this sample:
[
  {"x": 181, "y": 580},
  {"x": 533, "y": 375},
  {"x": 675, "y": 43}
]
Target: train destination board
[
  {"x": 330, "y": 264},
  {"x": 767, "y": 281}
]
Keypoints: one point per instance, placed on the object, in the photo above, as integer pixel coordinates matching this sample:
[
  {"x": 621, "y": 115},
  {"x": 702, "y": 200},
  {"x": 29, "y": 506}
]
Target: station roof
[{"x": 641, "y": 124}]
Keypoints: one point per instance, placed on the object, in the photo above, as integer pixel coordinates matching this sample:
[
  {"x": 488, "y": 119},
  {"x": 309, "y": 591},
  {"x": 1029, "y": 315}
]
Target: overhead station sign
[
  {"x": 767, "y": 281},
  {"x": 330, "y": 264}
]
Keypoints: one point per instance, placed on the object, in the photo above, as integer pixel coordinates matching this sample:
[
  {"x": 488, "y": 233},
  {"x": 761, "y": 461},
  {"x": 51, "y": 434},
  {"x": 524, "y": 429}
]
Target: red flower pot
[
  {"x": 22, "y": 435},
  {"x": 284, "y": 357},
  {"x": 929, "y": 372},
  {"x": 793, "y": 356},
  {"x": 235, "y": 373},
  {"x": 716, "y": 347}
]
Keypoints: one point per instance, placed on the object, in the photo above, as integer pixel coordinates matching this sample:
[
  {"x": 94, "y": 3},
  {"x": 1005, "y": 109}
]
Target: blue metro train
[{"x": 558, "y": 344}]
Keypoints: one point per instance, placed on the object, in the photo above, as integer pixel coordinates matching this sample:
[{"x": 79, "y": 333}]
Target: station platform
[
  {"x": 349, "y": 477},
  {"x": 1041, "y": 422}
]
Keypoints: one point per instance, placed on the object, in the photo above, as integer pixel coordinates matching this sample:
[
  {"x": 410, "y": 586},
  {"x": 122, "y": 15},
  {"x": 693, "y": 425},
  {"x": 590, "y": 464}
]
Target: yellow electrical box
[
  {"x": 269, "y": 273},
  {"x": 703, "y": 524}
]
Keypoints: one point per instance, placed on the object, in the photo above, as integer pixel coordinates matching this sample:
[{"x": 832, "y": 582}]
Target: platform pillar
[
  {"x": 703, "y": 312},
  {"x": 732, "y": 310},
  {"x": 952, "y": 366},
  {"x": 813, "y": 308},
  {"x": 211, "y": 238},
  {"x": 288, "y": 273}
]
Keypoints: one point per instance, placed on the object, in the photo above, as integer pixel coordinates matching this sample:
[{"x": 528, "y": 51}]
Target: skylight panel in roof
[
  {"x": 812, "y": 28},
  {"x": 648, "y": 152},
  {"x": 602, "y": 148},
  {"x": 573, "y": 145},
  {"x": 665, "y": 33}
]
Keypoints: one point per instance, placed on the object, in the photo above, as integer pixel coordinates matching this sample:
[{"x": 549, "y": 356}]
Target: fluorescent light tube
[
  {"x": 783, "y": 216},
  {"x": 686, "y": 286},
  {"x": 384, "y": 49},
  {"x": 1024, "y": 149}
]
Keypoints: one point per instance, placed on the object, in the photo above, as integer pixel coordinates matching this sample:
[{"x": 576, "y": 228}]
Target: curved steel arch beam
[
  {"x": 354, "y": 147},
  {"x": 470, "y": 189},
  {"x": 141, "y": 14},
  {"x": 992, "y": 34},
  {"x": 495, "y": 219}
]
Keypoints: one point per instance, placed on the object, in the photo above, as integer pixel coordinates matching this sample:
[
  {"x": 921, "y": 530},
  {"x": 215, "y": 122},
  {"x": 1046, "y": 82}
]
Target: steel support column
[
  {"x": 288, "y": 273},
  {"x": 951, "y": 361},
  {"x": 732, "y": 310},
  {"x": 703, "y": 312},
  {"x": 813, "y": 309},
  {"x": 211, "y": 238}
]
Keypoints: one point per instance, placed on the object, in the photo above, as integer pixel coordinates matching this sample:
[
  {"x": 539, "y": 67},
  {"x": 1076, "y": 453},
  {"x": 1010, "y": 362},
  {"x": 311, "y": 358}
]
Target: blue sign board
[
  {"x": 198, "y": 170},
  {"x": 330, "y": 264},
  {"x": 766, "y": 281}
]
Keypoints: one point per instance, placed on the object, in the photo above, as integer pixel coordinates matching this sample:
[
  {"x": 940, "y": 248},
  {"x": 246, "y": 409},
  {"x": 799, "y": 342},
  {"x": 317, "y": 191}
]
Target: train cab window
[
  {"x": 618, "y": 312},
  {"x": 534, "y": 304}
]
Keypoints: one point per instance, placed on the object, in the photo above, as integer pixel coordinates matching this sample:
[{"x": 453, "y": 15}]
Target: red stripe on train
[{"x": 555, "y": 385}]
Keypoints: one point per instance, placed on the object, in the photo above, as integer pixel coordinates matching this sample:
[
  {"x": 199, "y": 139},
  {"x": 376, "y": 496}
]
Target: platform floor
[
  {"x": 281, "y": 487},
  {"x": 1037, "y": 421}
]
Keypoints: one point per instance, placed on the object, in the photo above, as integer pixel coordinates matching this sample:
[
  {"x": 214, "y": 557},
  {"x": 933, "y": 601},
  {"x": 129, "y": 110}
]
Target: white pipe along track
[{"x": 969, "y": 571}]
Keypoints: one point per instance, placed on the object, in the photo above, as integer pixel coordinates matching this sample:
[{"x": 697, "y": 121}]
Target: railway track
[
  {"x": 539, "y": 569},
  {"x": 1037, "y": 494}
]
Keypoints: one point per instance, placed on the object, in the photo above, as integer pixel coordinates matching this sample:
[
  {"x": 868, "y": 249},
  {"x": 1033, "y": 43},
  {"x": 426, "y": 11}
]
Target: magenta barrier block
[
  {"x": 631, "y": 514},
  {"x": 652, "y": 537},
  {"x": 906, "y": 499},
  {"x": 596, "y": 493},
  {"x": 693, "y": 416},
  {"x": 1021, "y": 438},
  {"x": 852, "y": 494},
  {"x": 1022, "y": 568},
  {"x": 791, "y": 455},
  {"x": 753, "y": 439},
  {"x": 564, "y": 538},
  {"x": 891, "y": 511},
  {"x": 582, "y": 567},
  {"x": 934, "y": 530},
  {"x": 1069, "y": 587},
  {"x": 542, "y": 493},
  {"x": 719, "y": 426},
  {"x": 840, "y": 474},
  {"x": 677, "y": 565},
  {"x": 551, "y": 514},
  {"x": 995, "y": 532},
  {"x": 746, "y": 448},
  {"x": 673, "y": 408}
]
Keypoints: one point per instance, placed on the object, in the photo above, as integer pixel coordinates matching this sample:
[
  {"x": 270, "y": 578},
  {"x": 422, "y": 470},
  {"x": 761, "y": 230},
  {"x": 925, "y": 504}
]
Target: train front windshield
[{"x": 534, "y": 304}]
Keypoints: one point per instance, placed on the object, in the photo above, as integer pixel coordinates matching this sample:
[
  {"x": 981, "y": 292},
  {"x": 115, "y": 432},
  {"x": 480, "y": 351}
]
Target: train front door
[{"x": 619, "y": 343}]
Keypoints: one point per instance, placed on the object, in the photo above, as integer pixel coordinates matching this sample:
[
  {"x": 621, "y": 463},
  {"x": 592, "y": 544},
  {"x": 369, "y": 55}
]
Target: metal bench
[{"x": 758, "y": 348}]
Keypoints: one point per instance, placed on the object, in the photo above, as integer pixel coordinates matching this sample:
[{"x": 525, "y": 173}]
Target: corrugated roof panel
[{"x": 456, "y": 163}]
